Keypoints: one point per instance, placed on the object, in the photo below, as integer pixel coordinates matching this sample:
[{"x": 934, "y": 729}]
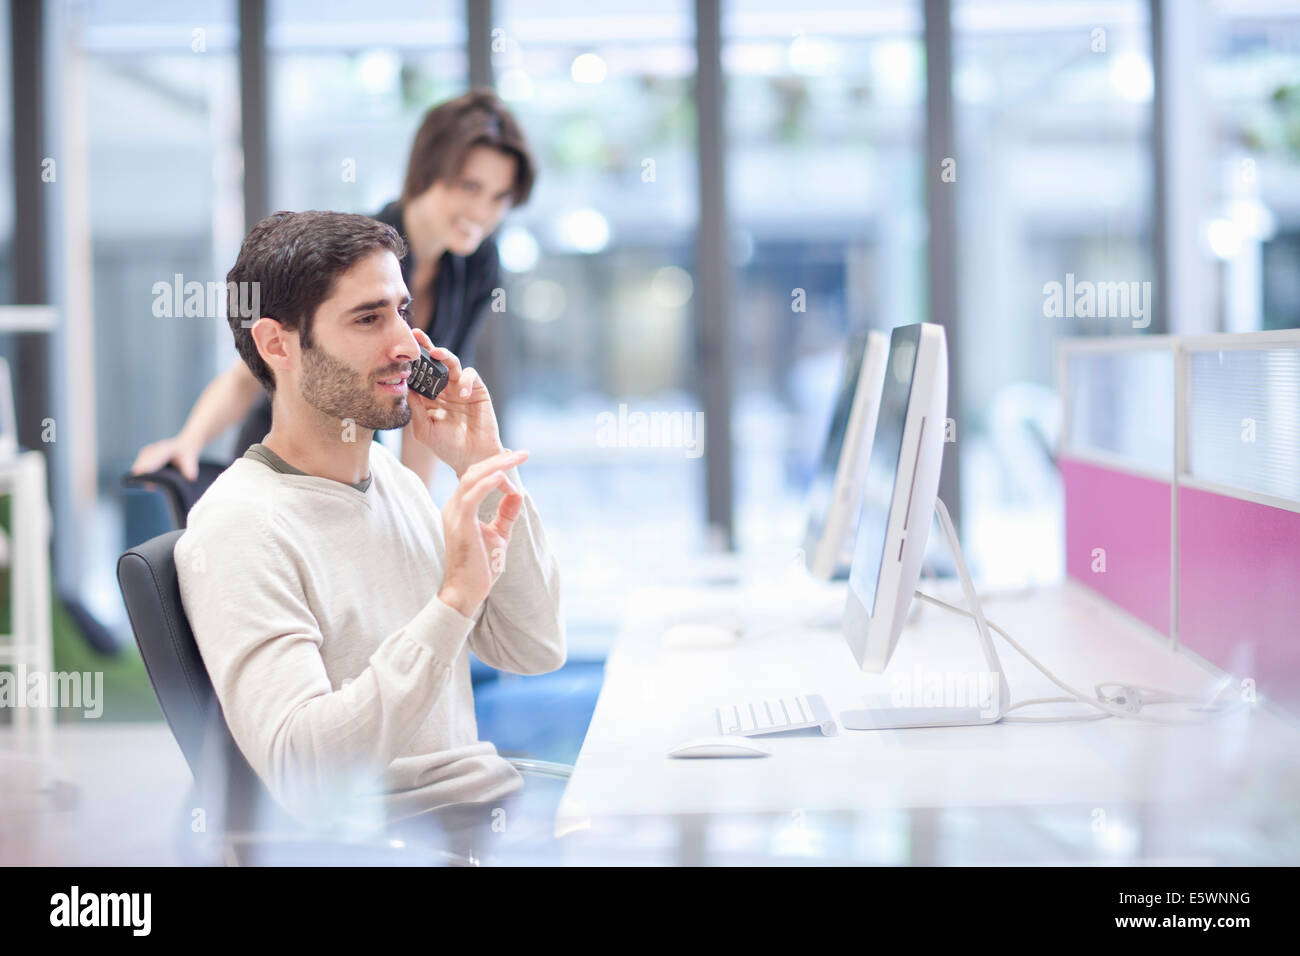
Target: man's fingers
[
  {"x": 473, "y": 497},
  {"x": 447, "y": 358},
  {"x": 465, "y": 384},
  {"x": 508, "y": 509}
]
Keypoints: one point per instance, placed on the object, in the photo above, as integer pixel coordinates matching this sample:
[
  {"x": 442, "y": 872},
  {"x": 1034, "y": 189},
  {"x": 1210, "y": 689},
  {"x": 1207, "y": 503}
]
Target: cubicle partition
[
  {"x": 1238, "y": 545},
  {"x": 1180, "y": 459},
  {"x": 1117, "y": 468}
]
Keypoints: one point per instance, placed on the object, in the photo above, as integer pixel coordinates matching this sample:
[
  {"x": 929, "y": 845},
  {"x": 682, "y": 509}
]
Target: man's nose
[{"x": 404, "y": 347}]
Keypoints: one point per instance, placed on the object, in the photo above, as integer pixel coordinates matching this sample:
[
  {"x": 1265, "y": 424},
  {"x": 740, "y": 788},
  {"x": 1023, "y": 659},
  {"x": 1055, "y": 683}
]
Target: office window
[
  {"x": 825, "y": 128},
  {"x": 1252, "y": 230},
  {"x": 151, "y": 97},
  {"x": 599, "y": 354},
  {"x": 348, "y": 86},
  {"x": 1054, "y": 199}
]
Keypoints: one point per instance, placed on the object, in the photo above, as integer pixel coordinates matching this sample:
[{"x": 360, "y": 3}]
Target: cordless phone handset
[{"x": 428, "y": 375}]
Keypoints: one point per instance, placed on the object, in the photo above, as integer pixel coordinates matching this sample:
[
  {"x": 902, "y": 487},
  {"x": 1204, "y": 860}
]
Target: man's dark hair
[
  {"x": 451, "y": 130},
  {"x": 294, "y": 257}
]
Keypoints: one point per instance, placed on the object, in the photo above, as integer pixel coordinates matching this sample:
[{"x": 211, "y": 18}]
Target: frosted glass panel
[
  {"x": 1244, "y": 419},
  {"x": 1122, "y": 404}
]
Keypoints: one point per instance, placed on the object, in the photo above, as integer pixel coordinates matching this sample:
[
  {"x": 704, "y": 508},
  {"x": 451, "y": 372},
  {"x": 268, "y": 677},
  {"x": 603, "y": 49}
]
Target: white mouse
[
  {"x": 728, "y": 746},
  {"x": 699, "y": 635}
]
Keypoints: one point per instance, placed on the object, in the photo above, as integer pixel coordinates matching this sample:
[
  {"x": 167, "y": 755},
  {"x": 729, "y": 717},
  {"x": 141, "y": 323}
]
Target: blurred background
[{"x": 866, "y": 165}]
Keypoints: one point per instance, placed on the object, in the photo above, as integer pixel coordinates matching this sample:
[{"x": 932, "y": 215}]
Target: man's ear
[{"x": 272, "y": 340}]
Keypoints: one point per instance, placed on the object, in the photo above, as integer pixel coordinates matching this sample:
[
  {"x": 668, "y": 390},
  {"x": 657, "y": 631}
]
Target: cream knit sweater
[{"x": 344, "y": 680}]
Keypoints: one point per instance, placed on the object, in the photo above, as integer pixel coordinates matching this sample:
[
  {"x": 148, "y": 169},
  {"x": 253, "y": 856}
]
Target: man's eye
[
  {"x": 405, "y": 314},
  {"x": 367, "y": 320}
]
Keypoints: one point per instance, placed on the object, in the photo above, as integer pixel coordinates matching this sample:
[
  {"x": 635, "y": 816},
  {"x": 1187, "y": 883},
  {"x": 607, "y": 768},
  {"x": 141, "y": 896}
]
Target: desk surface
[{"x": 655, "y": 697}]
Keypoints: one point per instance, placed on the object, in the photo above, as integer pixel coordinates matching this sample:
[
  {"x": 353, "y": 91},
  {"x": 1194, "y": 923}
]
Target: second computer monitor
[
  {"x": 899, "y": 493},
  {"x": 837, "y": 487}
]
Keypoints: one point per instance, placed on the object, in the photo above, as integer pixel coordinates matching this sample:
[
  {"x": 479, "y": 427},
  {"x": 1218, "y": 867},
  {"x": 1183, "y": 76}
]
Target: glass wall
[
  {"x": 347, "y": 88},
  {"x": 599, "y": 354},
  {"x": 151, "y": 111},
  {"x": 1054, "y": 197},
  {"x": 1252, "y": 232},
  {"x": 825, "y": 126},
  {"x": 825, "y": 112}
]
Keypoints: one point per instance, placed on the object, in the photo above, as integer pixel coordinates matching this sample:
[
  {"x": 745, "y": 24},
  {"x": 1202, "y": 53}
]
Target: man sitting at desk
[{"x": 333, "y": 606}]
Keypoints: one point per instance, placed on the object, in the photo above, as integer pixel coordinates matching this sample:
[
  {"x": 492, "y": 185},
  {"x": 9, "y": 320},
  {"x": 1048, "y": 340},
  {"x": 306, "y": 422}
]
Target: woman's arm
[{"x": 228, "y": 399}]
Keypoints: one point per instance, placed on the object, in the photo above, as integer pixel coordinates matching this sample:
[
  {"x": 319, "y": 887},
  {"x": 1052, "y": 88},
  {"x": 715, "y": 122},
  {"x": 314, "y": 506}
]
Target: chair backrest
[
  {"x": 178, "y": 491},
  {"x": 151, "y": 590}
]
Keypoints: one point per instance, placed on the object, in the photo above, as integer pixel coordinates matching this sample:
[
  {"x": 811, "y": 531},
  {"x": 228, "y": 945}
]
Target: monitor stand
[{"x": 887, "y": 717}]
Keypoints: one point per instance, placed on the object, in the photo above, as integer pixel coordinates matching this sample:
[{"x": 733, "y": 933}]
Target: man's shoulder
[{"x": 240, "y": 499}]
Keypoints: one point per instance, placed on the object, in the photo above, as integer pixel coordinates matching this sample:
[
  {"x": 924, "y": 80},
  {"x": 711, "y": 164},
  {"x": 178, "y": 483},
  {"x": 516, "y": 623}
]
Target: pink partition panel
[
  {"x": 1239, "y": 588},
  {"x": 1128, "y": 517}
]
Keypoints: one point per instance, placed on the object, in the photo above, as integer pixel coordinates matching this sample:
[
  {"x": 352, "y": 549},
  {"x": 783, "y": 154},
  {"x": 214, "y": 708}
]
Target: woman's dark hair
[
  {"x": 287, "y": 266},
  {"x": 451, "y": 130}
]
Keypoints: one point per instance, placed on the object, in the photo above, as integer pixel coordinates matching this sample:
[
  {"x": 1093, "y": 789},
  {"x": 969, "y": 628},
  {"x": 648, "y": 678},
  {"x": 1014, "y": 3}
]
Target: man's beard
[{"x": 336, "y": 389}]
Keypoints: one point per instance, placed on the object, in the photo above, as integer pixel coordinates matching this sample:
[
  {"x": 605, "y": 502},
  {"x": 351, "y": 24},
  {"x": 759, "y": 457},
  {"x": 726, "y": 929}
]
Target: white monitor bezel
[
  {"x": 824, "y": 546},
  {"x": 872, "y": 637}
]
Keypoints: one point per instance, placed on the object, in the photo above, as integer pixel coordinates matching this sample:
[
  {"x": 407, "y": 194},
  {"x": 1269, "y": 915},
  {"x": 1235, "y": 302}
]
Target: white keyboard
[{"x": 757, "y": 717}]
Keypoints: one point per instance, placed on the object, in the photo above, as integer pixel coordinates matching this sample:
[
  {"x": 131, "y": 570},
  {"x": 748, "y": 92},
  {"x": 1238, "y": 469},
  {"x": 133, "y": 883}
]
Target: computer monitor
[
  {"x": 899, "y": 492},
  {"x": 899, "y": 502},
  {"x": 837, "y": 486}
]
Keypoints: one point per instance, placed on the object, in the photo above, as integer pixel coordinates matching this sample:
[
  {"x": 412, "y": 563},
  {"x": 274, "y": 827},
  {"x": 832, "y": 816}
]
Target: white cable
[{"x": 1107, "y": 706}]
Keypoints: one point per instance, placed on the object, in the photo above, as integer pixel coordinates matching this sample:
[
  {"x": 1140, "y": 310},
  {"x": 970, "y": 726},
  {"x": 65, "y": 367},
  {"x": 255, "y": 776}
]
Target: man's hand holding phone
[
  {"x": 476, "y": 550},
  {"x": 460, "y": 425}
]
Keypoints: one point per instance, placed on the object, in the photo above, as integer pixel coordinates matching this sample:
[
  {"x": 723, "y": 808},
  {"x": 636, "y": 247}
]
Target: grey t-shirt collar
[{"x": 259, "y": 452}]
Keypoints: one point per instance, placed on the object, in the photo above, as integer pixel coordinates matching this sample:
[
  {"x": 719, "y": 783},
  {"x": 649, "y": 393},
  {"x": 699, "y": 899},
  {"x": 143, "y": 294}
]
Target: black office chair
[
  {"x": 178, "y": 491},
  {"x": 245, "y": 822}
]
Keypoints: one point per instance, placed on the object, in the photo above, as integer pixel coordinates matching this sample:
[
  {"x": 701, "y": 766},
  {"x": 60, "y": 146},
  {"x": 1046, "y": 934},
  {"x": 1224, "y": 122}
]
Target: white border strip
[
  {"x": 1233, "y": 341},
  {"x": 1225, "y": 491},
  {"x": 1114, "y": 462},
  {"x": 28, "y": 318}
]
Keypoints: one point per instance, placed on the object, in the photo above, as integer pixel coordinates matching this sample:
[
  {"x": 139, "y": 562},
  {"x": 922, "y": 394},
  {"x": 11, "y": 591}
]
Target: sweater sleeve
[
  {"x": 313, "y": 746},
  {"x": 520, "y": 626}
]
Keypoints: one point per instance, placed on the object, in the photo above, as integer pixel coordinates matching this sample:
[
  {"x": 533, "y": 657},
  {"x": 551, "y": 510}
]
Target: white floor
[{"x": 132, "y": 784}]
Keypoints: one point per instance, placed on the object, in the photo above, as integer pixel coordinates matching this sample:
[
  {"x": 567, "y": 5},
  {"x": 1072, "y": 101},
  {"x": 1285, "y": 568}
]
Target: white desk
[{"x": 1090, "y": 772}]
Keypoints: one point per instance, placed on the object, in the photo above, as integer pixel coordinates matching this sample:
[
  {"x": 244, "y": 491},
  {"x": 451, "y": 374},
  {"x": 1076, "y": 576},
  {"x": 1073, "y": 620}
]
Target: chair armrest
[
  {"x": 178, "y": 491},
  {"x": 541, "y": 768}
]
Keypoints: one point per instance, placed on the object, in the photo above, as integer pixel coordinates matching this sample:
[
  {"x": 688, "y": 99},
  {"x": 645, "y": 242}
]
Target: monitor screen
[
  {"x": 823, "y": 485},
  {"x": 882, "y": 469}
]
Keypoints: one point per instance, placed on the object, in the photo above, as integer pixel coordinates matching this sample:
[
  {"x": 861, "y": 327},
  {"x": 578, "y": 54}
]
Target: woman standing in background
[{"x": 469, "y": 165}]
